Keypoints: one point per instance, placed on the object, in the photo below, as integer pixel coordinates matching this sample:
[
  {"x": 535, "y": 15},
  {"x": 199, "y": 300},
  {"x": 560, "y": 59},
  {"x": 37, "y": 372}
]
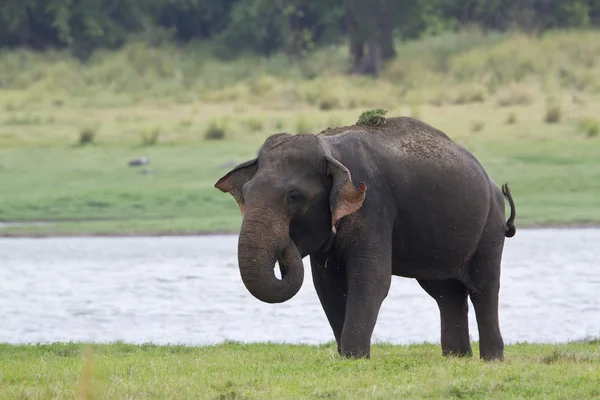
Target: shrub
[
  {"x": 590, "y": 127},
  {"x": 372, "y": 117},
  {"x": 214, "y": 131},
  {"x": 511, "y": 119},
  {"x": 87, "y": 135},
  {"x": 150, "y": 138},
  {"x": 553, "y": 113},
  {"x": 329, "y": 102}
]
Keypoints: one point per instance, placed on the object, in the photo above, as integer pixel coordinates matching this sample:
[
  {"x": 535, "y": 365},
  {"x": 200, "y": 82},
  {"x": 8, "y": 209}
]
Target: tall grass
[{"x": 478, "y": 65}]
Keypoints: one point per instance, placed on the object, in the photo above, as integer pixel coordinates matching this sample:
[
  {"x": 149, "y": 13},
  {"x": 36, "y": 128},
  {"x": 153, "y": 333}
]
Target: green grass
[
  {"x": 195, "y": 116},
  {"x": 268, "y": 371}
]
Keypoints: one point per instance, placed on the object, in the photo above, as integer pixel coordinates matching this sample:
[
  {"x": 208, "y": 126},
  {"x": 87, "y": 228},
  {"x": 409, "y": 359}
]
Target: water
[{"x": 187, "y": 290}]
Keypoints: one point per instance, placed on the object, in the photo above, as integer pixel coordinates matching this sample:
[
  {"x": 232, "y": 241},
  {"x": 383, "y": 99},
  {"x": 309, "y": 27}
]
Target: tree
[{"x": 370, "y": 27}]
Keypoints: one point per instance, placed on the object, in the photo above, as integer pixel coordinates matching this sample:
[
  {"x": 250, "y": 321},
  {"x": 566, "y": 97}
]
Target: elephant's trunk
[{"x": 261, "y": 244}]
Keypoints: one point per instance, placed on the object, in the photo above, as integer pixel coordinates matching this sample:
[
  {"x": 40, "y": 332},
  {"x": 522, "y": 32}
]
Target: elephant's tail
[{"x": 510, "y": 224}]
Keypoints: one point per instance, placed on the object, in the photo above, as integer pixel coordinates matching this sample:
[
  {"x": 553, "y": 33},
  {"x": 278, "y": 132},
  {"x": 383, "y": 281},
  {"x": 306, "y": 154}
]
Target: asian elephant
[{"x": 365, "y": 203}]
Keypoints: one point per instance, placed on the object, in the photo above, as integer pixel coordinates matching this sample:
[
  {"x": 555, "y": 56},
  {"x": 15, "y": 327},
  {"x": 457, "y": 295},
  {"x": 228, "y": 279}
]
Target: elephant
[{"x": 367, "y": 202}]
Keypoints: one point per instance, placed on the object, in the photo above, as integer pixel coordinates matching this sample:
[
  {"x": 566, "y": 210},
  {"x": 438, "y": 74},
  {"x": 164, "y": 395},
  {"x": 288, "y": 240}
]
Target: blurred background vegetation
[
  {"x": 266, "y": 27},
  {"x": 197, "y": 85}
]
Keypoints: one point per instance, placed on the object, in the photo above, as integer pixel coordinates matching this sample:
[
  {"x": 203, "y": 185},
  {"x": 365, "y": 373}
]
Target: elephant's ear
[
  {"x": 234, "y": 181},
  {"x": 344, "y": 198}
]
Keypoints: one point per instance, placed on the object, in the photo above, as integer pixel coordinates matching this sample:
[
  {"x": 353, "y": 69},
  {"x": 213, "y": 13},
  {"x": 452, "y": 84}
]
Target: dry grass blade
[{"x": 84, "y": 386}]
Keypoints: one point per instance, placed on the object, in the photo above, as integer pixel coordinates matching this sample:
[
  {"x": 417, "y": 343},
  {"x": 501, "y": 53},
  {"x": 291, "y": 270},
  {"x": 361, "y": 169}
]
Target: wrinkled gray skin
[{"x": 367, "y": 203}]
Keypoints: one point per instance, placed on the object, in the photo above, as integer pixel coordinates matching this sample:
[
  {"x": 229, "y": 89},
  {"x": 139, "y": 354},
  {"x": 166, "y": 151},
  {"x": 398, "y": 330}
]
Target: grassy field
[
  {"x": 526, "y": 107},
  {"x": 268, "y": 371}
]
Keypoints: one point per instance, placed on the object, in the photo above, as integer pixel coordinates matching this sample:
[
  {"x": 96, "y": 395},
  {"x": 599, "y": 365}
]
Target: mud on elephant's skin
[{"x": 365, "y": 203}]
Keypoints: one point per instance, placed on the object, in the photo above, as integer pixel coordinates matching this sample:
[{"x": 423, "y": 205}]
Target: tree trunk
[
  {"x": 375, "y": 24},
  {"x": 370, "y": 64},
  {"x": 356, "y": 45},
  {"x": 386, "y": 31}
]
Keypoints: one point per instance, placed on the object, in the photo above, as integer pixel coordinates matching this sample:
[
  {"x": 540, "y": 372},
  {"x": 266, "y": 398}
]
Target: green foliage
[
  {"x": 83, "y": 25},
  {"x": 150, "y": 138},
  {"x": 264, "y": 26},
  {"x": 372, "y": 117},
  {"x": 590, "y": 127}
]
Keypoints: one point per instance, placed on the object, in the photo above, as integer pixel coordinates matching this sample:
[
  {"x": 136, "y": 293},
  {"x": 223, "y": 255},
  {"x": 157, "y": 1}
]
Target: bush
[
  {"x": 329, "y": 102},
  {"x": 214, "y": 131},
  {"x": 372, "y": 117},
  {"x": 590, "y": 127},
  {"x": 87, "y": 135},
  {"x": 553, "y": 113},
  {"x": 150, "y": 138}
]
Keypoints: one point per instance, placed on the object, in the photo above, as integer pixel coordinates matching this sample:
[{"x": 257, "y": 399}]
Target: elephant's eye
[{"x": 294, "y": 196}]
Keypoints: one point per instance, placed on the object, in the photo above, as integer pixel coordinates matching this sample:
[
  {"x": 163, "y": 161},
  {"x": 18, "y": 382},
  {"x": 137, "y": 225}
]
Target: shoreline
[
  {"x": 158, "y": 233},
  {"x": 227, "y": 342}
]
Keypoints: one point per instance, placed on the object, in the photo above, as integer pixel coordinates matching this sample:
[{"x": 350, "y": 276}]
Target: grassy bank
[
  {"x": 269, "y": 371},
  {"x": 526, "y": 106}
]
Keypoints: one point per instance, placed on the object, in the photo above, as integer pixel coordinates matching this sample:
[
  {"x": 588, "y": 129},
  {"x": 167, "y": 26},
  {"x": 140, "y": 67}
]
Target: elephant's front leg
[
  {"x": 329, "y": 278},
  {"x": 369, "y": 275}
]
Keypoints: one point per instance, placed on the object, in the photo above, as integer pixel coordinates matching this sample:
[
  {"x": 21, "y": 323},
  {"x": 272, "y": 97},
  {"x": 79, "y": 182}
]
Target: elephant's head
[{"x": 291, "y": 197}]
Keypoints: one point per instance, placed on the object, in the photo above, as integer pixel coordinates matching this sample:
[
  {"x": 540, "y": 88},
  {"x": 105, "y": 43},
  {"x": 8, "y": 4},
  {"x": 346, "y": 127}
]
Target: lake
[{"x": 187, "y": 290}]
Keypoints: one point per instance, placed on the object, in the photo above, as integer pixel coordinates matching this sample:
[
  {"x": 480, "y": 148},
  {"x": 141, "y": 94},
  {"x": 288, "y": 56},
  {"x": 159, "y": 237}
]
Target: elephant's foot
[
  {"x": 356, "y": 352},
  {"x": 492, "y": 353},
  {"x": 461, "y": 352}
]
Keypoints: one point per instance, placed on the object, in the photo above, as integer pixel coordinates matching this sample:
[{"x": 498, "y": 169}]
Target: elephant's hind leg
[
  {"x": 452, "y": 299},
  {"x": 330, "y": 283},
  {"x": 484, "y": 288}
]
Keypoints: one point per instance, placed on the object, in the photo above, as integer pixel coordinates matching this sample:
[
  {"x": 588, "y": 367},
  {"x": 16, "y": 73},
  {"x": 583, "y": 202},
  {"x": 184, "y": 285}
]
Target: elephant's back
[{"x": 392, "y": 129}]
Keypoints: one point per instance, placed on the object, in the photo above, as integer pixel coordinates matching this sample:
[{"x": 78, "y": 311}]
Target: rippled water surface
[{"x": 188, "y": 290}]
